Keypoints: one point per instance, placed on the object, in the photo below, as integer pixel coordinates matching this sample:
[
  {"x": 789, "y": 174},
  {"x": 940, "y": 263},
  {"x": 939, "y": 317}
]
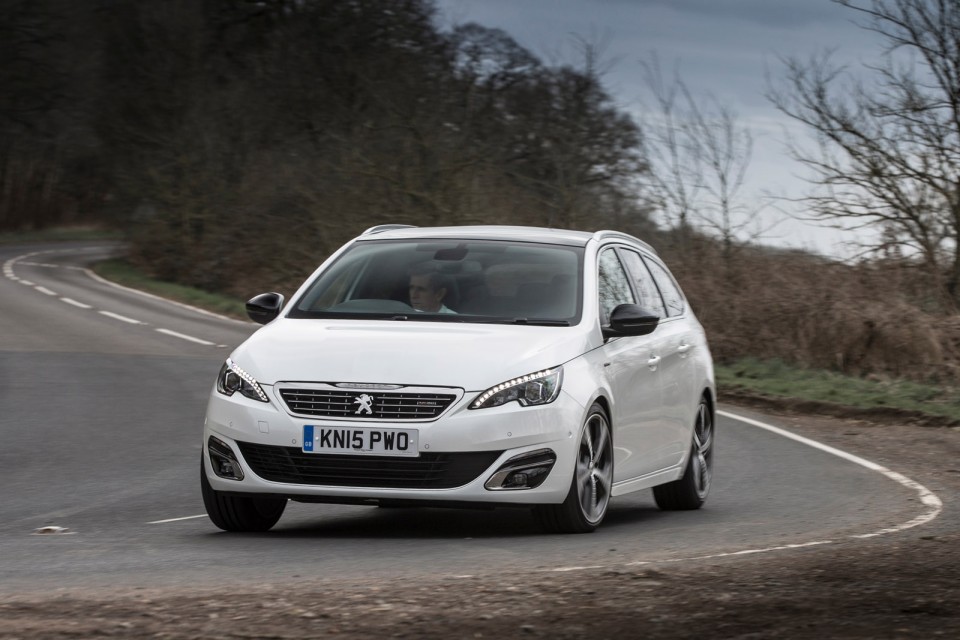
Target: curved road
[{"x": 103, "y": 393}]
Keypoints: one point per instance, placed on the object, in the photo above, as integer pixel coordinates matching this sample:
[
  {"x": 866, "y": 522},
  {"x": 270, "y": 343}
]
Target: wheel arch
[
  {"x": 711, "y": 403},
  {"x": 604, "y": 403}
]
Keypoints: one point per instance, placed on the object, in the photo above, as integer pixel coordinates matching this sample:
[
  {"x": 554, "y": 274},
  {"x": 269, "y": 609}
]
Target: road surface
[{"x": 103, "y": 392}]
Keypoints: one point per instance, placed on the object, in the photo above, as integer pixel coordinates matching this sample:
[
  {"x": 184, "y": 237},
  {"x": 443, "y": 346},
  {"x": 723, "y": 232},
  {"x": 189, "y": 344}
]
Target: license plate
[{"x": 360, "y": 441}]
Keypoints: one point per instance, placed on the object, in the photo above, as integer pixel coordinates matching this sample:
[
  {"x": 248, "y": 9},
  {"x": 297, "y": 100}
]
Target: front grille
[
  {"x": 429, "y": 471},
  {"x": 352, "y": 404}
]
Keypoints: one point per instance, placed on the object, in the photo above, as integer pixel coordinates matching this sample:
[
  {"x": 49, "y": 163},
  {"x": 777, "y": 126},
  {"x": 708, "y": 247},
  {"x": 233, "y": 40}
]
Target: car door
[
  {"x": 678, "y": 369},
  {"x": 632, "y": 370}
]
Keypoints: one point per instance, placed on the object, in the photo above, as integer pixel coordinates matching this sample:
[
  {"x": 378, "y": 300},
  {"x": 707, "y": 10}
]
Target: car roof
[{"x": 496, "y": 232}]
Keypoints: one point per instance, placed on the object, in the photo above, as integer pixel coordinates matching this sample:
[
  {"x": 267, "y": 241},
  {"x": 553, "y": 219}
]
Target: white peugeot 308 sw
[{"x": 466, "y": 366}]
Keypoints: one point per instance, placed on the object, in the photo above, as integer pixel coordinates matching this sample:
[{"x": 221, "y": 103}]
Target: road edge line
[
  {"x": 154, "y": 296},
  {"x": 927, "y": 497}
]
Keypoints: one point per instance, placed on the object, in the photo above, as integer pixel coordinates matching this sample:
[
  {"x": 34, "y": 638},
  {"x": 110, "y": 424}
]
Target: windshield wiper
[{"x": 534, "y": 322}]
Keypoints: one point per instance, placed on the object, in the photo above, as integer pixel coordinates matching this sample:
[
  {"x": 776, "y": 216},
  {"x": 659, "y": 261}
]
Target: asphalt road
[{"x": 102, "y": 397}]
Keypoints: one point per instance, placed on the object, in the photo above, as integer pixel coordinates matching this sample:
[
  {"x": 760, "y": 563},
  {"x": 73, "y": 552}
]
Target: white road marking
[
  {"x": 928, "y": 498},
  {"x": 76, "y": 304},
  {"x": 117, "y": 316},
  {"x": 162, "y": 299},
  {"x": 729, "y": 554},
  {"x": 182, "y": 336},
  {"x": 202, "y": 515},
  {"x": 9, "y": 273}
]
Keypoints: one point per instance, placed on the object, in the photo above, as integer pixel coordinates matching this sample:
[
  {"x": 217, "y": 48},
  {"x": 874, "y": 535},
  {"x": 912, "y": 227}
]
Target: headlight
[
  {"x": 541, "y": 387},
  {"x": 232, "y": 379}
]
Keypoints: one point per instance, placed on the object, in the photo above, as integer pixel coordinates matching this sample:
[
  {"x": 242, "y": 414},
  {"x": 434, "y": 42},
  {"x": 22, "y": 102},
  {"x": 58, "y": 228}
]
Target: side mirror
[
  {"x": 264, "y": 307},
  {"x": 630, "y": 320}
]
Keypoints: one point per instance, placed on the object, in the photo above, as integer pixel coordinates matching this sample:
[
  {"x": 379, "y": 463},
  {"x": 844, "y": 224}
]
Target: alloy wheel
[{"x": 595, "y": 468}]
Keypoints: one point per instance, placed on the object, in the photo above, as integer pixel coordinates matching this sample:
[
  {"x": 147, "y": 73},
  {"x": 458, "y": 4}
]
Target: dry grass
[{"x": 863, "y": 319}]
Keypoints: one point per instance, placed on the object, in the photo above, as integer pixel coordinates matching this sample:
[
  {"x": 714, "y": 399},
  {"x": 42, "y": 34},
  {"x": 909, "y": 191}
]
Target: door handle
[
  {"x": 683, "y": 348},
  {"x": 653, "y": 362}
]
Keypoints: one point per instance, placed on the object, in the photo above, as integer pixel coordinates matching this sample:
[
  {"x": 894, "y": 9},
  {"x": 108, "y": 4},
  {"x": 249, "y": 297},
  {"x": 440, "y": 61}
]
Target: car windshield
[{"x": 449, "y": 281}]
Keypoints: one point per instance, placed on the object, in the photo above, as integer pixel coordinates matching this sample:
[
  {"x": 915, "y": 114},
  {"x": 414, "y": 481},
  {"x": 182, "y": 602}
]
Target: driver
[{"x": 427, "y": 290}]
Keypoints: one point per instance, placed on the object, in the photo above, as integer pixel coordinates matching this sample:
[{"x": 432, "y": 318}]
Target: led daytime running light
[
  {"x": 246, "y": 377},
  {"x": 492, "y": 391}
]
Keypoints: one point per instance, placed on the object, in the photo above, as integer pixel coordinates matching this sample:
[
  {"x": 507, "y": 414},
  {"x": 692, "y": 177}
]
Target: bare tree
[
  {"x": 677, "y": 168},
  {"x": 700, "y": 155},
  {"x": 888, "y": 148},
  {"x": 572, "y": 147},
  {"x": 725, "y": 148}
]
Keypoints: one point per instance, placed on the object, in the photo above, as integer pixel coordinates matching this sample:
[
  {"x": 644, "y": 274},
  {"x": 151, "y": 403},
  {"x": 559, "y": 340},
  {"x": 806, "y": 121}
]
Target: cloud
[{"x": 768, "y": 13}]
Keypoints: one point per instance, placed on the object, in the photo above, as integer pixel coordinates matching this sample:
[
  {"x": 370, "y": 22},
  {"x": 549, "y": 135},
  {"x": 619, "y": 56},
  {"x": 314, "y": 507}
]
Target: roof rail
[
  {"x": 387, "y": 227},
  {"x": 607, "y": 234}
]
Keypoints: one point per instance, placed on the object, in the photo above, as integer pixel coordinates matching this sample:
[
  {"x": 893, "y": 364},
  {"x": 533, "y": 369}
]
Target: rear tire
[
  {"x": 691, "y": 490},
  {"x": 586, "y": 503},
  {"x": 239, "y": 513}
]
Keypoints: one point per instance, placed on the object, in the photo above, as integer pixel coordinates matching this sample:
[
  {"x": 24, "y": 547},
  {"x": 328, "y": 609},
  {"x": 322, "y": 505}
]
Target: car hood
[{"x": 471, "y": 356}]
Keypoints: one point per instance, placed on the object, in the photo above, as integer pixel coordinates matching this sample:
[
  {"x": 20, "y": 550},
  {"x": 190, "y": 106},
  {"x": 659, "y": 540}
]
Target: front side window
[
  {"x": 613, "y": 285},
  {"x": 449, "y": 281}
]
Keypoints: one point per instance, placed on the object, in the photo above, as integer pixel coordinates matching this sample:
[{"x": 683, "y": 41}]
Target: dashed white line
[
  {"x": 117, "y": 316},
  {"x": 45, "y": 291},
  {"x": 28, "y": 283},
  {"x": 202, "y": 515},
  {"x": 730, "y": 554},
  {"x": 182, "y": 336},
  {"x": 76, "y": 304}
]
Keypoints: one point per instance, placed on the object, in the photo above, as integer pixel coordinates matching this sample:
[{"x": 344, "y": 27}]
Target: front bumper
[{"x": 482, "y": 439}]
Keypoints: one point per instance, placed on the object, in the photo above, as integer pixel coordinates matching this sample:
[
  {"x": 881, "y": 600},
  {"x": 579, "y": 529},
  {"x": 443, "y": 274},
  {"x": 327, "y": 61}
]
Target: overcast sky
[{"x": 723, "y": 47}]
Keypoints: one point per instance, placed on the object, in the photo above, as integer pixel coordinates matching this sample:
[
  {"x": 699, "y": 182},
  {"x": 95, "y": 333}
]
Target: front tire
[
  {"x": 239, "y": 513},
  {"x": 590, "y": 488},
  {"x": 691, "y": 490}
]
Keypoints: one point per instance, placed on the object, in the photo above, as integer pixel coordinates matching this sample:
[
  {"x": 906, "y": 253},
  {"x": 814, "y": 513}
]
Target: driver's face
[{"x": 423, "y": 297}]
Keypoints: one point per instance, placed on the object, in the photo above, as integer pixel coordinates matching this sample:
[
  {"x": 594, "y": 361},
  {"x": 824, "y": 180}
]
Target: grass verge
[
  {"x": 122, "y": 272},
  {"x": 777, "y": 379}
]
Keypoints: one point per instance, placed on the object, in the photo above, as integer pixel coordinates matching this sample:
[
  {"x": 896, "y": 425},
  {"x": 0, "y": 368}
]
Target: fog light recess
[
  {"x": 525, "y": 471},
  {"x": 223, "y": 460}
]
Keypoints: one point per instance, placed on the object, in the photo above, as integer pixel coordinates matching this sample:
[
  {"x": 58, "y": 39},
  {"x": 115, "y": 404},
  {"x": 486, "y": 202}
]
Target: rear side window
[
  {"x": 672, "y": 297},
  {"x": 643, "y": 283},
  {"x": 613, "y": 285}
]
